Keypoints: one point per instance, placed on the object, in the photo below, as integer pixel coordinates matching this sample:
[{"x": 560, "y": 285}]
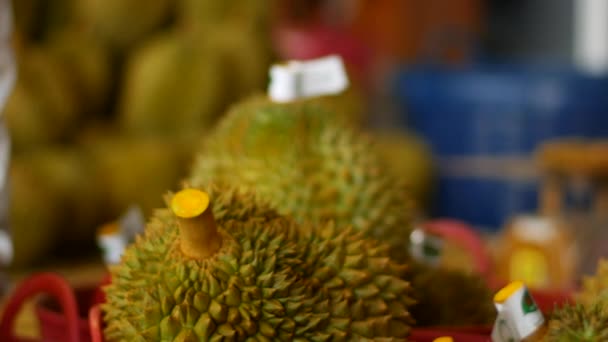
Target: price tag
[
  {"x": 114, "y": 237},
  {"x": 302, "y": 79}
]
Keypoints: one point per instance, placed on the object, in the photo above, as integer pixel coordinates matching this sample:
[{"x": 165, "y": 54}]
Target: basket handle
[
  {"x": 95, "y": 324},
  {"x": 48, "y": 283}
]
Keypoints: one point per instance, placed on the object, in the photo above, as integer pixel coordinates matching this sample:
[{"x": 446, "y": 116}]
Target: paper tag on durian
[
  {"x": 302, "y": 79},
  {"x": 114, "y": 237},
  {"x": 7, "y": 81}
]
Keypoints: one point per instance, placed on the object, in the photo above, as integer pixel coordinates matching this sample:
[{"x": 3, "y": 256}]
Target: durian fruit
[
  {"x": 450, "y": 298},
  {"x": 349, "y": 106},
  {"x": 409, "y": 159},
  {"x": 89, "y": 64},
  {"x": 32, "y": 214},
  {"x": 203, "y": 15},
  {"x": 578, "y": 323},
  {"x": 306, "y": 164},
  {"x": 43, "y": 106},
  {"x": 245, "y": 58},
  {"x": 135, "y": 171},
  {"x": 295, "y": 156},
  {"x": 237, "y": 271},
  {"x": 123, "y": 23},
  {"x": 53, "y": 194},
  {"x": 595, "y": 286},
  {"x": 171, "y": 84}
]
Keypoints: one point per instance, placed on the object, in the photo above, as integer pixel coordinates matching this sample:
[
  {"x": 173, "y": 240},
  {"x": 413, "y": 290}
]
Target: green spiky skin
[
  {"x": 365, "y": 287},
  {"x": 596, "y": 286},
  {"x": 260, "y": 286},
  {"x": 450, "y": 298},
  {"x": 306, "y": 165},
  {"x": 578, "y": 323}
]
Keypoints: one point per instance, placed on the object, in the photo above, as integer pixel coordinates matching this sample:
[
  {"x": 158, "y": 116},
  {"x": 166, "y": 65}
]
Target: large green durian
[
  {"x": 239, "y": 271},
  {"x": 306, "y": 164}
]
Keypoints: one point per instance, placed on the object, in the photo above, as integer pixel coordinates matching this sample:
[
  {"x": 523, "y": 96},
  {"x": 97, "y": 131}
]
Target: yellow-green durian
[
  {"x": 43, "y": 107},
  {"x": 172, "y": 83},
  {"x": 409, "y": 158},
  {"x": 306, "y": 164},
  {"x": 135, "y": 171},
  {"x": 596, "y": 286},
  {"x": 234, "y": 269},
  {"x": 578, "y": 323},
  {"x": 123, "y": 23},
  {"x": 88, "y": 62}
]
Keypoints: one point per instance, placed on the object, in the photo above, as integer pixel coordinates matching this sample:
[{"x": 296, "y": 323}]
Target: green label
[{"x": 527, "y": 303}]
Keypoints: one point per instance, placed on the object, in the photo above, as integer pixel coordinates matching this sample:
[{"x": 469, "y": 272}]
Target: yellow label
[{"x": 530, "y": 266}]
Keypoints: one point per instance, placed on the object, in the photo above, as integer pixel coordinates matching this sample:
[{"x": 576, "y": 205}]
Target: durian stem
[{"x": 199, "y": 237}]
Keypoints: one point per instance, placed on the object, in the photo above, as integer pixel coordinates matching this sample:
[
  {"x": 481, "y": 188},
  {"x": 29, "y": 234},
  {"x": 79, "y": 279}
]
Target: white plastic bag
[{"x": 7, "y": 81}]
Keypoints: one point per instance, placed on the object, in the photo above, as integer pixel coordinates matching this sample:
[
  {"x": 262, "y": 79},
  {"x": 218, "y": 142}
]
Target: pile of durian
[
  {"x": 110, "y": 98},
  {"x": 307, "y": 240}
]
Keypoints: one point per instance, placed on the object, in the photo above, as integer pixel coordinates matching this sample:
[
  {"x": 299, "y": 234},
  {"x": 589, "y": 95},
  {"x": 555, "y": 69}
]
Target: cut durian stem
[{"x": 199, "y": 237}]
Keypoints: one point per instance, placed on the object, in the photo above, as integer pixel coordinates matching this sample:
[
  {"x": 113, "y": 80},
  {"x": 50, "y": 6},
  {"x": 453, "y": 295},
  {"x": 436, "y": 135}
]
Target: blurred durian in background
[{"x": 111, "y": 98}]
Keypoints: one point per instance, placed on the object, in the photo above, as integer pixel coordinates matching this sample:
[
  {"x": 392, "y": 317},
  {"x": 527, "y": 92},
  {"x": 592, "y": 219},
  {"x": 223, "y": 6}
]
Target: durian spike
[{"x": 199, "y": 237}]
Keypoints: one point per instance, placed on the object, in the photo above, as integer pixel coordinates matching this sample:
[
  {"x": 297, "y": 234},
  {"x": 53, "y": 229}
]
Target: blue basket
[{"x": 483, "y": 122}]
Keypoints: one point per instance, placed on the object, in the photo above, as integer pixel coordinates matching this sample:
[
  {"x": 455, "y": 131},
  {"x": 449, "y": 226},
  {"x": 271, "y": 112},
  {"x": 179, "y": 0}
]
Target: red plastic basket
[{"x": 58, "y": 289}]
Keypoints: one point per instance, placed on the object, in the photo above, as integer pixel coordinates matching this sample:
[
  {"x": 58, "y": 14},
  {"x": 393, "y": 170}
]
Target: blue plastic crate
[{"x": 493, "y": 114}]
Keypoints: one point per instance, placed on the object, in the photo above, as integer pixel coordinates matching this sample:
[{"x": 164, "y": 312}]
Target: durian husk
[
  {"x": 309, "y": 165},
  {"x": 410, "y": 159},
  {"x": 135, "y": 171},
  {"x": 89, "y": 64},
  {"x": 203, "y": 16},
  {"x": 33, "y": 214},
  {"x": 43, "y": 106},
  {"x": 578, "y": 323},
  {"x": 65, "y": 208},
  {"x": 270, "y": 280},
  {"x": 172, "y": 83},
  {"x": 122, "y": 24},
  {"x": 245, "y": 58},
  {"x": 594, "y": 287},
  {"x": 450, "y": 298}
]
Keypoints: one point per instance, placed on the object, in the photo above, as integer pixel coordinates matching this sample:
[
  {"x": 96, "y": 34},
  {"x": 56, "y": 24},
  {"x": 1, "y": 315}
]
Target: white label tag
[
  {"x": 518, "y": 315},
  {"x": 132, "y": 223},
  {"x": 129, "y": 224},
  {"x": 302, "y": 79}
]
